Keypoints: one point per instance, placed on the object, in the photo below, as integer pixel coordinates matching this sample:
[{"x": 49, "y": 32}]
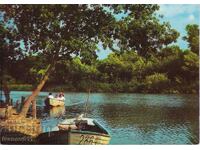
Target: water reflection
[
  {"x": 150, "y": 125},
  {"x": 133, "y": 118},
  {"x": 56, "y": 111}
]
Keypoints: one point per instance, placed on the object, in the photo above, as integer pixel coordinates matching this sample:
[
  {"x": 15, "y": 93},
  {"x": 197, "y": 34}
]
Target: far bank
[{"x": 111, "y": 88}]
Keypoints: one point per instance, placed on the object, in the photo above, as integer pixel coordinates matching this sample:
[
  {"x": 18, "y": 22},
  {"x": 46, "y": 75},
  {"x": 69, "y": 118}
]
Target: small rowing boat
[
  {"x": 53, "y": 102},
  {"x": 84, "y": 131}
]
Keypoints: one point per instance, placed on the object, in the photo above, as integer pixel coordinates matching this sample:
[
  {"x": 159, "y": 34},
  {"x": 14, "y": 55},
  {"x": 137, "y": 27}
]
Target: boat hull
[
  {"x": 85, "y": 138},
  {"x": 13, "y": 138},
  {"x": 54, "y": 102},
  {"x": 76, "y": 131},
  {"x": 53, "y": 138},
  {"x": 73, "y": 137}
]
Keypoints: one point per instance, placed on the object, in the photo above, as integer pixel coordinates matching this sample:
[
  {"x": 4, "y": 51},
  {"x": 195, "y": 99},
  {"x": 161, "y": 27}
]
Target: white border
[
  {"x": 108, "y": 147},
  {"x": 97, "y": 147},
  {"x": 100, "y": 2}
]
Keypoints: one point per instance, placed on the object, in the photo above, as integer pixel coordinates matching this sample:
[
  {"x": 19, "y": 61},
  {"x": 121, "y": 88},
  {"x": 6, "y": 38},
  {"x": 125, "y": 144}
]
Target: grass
[{"x": 21, "y": 87}]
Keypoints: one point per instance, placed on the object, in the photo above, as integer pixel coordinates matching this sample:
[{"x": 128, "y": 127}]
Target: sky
[{"x": 178, "y": 15}]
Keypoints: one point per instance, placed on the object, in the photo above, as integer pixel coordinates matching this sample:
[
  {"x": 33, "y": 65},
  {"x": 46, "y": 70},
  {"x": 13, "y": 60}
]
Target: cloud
[
  {"x": 172, "y": 10},
  {"x": 191, "y": 17},
  {"x": 179, "y": 16}
]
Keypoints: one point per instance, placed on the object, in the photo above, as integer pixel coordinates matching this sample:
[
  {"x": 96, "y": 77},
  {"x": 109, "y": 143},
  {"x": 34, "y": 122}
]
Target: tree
[
  {"x": 156, "y": 82},
  {"x": 60, "y": 31},
  {"x": 190, "y": 66},
  {"x": 142, "y": 31},
  {"x": 121, "y": 67},
  {"x": 8, "y": 52},
  {"x": 193, "y": 37},
  {"x": 170, "y": 61}
]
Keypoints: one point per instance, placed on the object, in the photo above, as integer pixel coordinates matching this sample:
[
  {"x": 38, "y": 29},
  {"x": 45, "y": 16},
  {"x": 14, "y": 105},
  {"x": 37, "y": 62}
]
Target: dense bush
[
  {"x": 156, "y": 83},
  {"x": 172, "y": 71}
]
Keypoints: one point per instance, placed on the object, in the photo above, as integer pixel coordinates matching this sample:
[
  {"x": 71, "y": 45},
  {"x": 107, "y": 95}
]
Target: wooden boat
[
  {"x": 56, "y": 111},
  {"x": 84, "y": 131},
  {"x": 53, "y": 102}
]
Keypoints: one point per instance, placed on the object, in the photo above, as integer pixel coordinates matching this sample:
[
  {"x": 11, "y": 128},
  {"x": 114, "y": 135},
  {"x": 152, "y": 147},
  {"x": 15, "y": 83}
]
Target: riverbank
[{"x": 107, "y": 88}]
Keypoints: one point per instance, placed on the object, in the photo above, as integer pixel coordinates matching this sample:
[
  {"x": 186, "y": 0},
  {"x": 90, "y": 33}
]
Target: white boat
[
  {"x": 53, "y": 102},
  {"x": 84, "y": 131}
]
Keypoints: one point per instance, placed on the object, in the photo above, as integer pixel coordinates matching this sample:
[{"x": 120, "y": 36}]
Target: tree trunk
[
  {"x": 6, "y": 91},
  {"x": 35, "y": 93}
]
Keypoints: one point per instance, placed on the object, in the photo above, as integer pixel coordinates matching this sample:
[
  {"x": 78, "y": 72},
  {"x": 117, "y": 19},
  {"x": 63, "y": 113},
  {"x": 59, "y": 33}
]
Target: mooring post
[
  {"x": 22, "y": 102},
  {"x": 6, "y": 112},
  {"x": 34, "y": 109},
  {"x": 11, "y": 102},
  {"x": 22, "y": 99},
  {"x": 17, "y": 105}
]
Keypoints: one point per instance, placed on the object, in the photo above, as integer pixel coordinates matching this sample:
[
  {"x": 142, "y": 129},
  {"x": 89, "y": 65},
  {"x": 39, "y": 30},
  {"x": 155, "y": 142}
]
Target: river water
[{"x": 130, "y": 118}]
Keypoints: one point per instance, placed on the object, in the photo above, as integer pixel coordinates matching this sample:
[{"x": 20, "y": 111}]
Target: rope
[
  {"x": 86, "y": 104},
  {"x": 76, "y": 103}
]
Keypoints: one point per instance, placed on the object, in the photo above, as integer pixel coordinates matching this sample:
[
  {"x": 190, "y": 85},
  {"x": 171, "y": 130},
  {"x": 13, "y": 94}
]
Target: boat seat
[{"x": 67, "y": 127}]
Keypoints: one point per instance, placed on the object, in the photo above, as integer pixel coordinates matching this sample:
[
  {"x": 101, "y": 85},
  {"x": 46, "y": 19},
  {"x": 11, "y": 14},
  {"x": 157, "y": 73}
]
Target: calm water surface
[{"x": 130, "y": 118}]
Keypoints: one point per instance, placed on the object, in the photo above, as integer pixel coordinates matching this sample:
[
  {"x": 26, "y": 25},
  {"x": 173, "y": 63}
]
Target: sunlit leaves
[{"x": 193, "y": 37}]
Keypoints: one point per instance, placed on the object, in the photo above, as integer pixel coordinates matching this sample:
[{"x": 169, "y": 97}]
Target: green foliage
[
  {"x": 156, "y": 83},
  {"x": 144, "y": 60},
  {"x": 193, "y": 37},
  {"x": 191, "y": 62},
  {"x": 8, "y": 53},
  {"x": 171, "y": 71},
  {"x": 21, "y": 87},
  {"x": 57, "y": 31},
  {"x": 190, "y": 66},
  {"x": 142, "y": 31}
]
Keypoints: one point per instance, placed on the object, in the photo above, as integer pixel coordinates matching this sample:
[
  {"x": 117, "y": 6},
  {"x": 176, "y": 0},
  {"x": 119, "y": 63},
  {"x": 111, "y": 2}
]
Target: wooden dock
[{"x": 14, "y": 123}]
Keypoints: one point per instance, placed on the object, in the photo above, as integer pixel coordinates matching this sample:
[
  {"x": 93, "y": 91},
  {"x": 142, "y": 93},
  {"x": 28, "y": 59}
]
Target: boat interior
[{"x": 83, "y": 125}]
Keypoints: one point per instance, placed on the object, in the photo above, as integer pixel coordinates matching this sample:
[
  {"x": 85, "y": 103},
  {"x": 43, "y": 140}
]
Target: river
[{"x": 130, "y": 118}]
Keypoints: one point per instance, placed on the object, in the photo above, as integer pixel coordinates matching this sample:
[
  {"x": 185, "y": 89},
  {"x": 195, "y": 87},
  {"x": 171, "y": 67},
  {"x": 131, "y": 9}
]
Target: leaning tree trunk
[{"x": 35, "y": 93}]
